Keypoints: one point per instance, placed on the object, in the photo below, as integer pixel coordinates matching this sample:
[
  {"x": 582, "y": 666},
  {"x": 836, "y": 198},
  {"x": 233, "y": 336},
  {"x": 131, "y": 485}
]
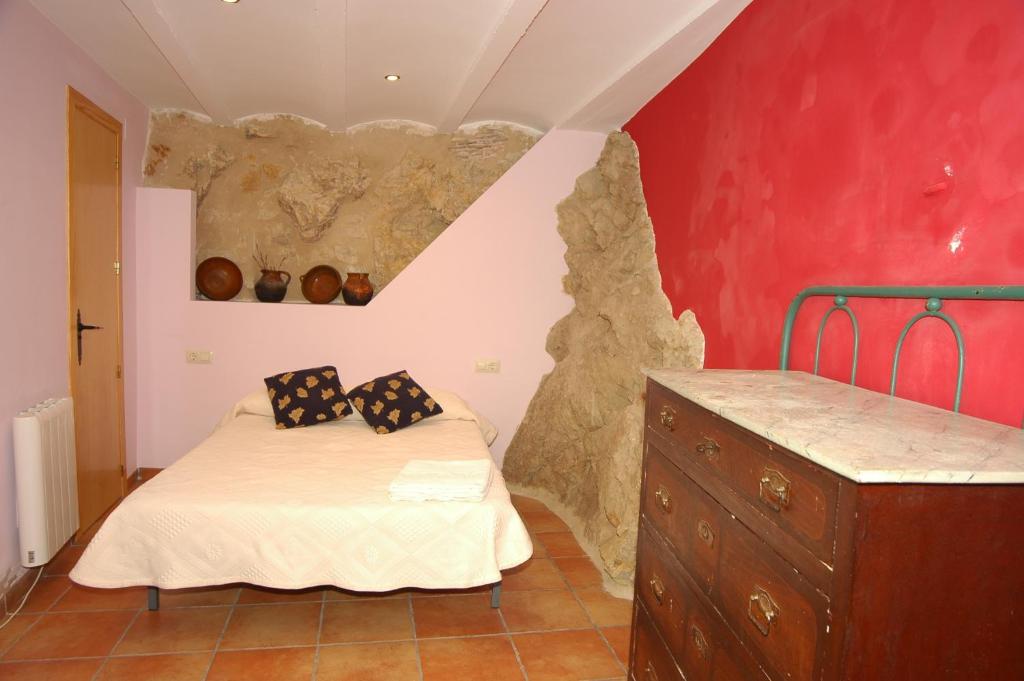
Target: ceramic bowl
[
  {"x": 218, "y": 278},
  {"x": 320, "y": 285}
]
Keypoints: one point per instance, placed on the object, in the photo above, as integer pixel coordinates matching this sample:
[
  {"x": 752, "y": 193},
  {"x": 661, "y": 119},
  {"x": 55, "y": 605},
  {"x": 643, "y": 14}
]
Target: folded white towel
[{"x": 426, "y": 480}]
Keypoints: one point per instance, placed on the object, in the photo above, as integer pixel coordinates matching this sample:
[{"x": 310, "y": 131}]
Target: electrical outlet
[
  {"x": 488, "y": 366},
  {"x": 198, "y": 356}
]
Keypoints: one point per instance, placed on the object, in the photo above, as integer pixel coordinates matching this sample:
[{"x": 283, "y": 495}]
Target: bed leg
[
  {"x": 496, "y": 595},
  {"x": 153, "y": 601}
]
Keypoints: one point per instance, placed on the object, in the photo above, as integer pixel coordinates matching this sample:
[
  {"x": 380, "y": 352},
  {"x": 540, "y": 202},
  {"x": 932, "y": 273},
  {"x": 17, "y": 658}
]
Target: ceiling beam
[
  {"x": 507, "y": 32},
  {"x": 154, "y": 24},
  {"x": 331, "y": 19},
  {"x": 627, "y": 91}
]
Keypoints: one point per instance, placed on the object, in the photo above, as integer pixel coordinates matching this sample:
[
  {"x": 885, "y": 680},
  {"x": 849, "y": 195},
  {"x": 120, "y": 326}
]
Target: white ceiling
[{"x": 584, "y": 64}]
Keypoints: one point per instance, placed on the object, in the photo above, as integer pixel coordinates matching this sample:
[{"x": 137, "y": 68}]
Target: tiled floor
[{"x": 555, "y": 623}]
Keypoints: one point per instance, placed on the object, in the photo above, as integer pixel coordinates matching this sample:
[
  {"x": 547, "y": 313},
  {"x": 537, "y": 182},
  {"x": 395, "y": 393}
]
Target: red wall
[{"x": 797, "y": 151}]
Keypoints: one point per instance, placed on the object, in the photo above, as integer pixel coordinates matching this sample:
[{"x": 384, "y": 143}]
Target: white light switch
[
  {"x": 488, "y": 366},
  {"x": 198, "y": 356}
]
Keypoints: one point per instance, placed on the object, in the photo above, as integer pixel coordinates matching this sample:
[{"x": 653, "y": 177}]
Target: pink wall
[
  {"x": 37, "y": 62},
  {"x": 796, "y": 151},
  {"x": 488, "y": 287}
]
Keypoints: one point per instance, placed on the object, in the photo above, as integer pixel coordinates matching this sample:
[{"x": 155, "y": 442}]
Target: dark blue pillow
[
  {"x": 307, "y": 397},
  {"x": 393, "y": 402}
]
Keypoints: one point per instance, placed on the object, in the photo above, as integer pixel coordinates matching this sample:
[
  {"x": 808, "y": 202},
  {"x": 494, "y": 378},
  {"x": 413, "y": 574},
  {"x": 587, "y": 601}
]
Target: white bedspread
[{"x": 305, "y": 507}]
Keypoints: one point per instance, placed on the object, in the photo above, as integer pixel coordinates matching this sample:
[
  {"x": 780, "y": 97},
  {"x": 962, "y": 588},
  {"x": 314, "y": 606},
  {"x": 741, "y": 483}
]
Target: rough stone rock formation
[
  {"x": 369, "y": 200},
  {"x": 203, "y": 167},
  {"x": 311, "y": 195},
  {"x": 579, "y": 445}
]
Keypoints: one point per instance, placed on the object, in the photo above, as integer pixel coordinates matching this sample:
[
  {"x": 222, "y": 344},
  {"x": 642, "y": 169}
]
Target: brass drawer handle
[
  {"x": 664, "y": 499},
  {"x": 708, "y": 447},
  {"x": 658, "y": 589},
  {"x": 668, "y": 417},
  {"x": 649, "y": 672},
  {"x": 700, "y": 642},
  {"x": 775, "y": 489},
  {"x": 706, "y": 534},
  {"x": 762, "y": 610}
]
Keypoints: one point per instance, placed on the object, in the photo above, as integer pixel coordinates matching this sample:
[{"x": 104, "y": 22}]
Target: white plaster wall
[{"x": 488, "y": 287}]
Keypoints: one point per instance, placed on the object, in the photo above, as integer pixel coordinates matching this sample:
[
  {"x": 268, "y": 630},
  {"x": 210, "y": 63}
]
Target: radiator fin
[{"x": 46, "y": 479}]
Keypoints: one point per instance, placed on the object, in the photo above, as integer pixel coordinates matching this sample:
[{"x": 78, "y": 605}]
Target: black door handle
[{"x": 80, "y": 328}]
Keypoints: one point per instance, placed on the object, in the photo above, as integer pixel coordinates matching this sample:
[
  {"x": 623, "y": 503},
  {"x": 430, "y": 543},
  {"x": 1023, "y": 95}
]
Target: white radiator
[{"x": 46, "y": 479}]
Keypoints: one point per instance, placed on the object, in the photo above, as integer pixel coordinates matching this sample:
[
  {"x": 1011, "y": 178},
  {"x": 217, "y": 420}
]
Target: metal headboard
[{"x": 933, "y": 297}]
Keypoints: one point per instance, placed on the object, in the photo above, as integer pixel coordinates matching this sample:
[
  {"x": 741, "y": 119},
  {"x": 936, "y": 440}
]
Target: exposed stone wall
[
  {"x": 369, "y": 200},
  {"x": 580, "y": 442}
]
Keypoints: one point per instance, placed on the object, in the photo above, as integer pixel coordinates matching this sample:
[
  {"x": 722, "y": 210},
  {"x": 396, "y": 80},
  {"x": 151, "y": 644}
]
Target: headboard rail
[{"x": 933, "y": 297}]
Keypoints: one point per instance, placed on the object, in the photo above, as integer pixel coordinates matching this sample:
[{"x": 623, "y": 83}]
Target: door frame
[{"x": 77, "y": 101}]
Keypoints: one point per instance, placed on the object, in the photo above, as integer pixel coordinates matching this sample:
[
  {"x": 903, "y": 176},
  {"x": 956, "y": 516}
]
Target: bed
[{"x": 291, "y": 509}]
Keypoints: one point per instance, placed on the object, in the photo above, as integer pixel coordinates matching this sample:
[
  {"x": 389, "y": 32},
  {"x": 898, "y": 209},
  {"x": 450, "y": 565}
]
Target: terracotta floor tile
[
  {"x": 14, "y": 629},
  {"x": 280, "y": 664},
  {"x": 147, "y": 474},
  {"x": 174, "y": 631},
  {"x": 534, "y": 574},
  {"x": 543, "y": 521},
  {"x": 368, "y": 662},
  {"x": 541, "y": 610},
  {"x": 179, "y": 667},
  {"x": 47, "y": 592},
  {"x": 364, "y": 621},
  {"x": 433, "y": 593},
  {"x": 469, "y": 659},
  {"x": 618, "y": 637},
  {"x": 64, "y": 561},
  {"x": 566, "y": 656},
  {"x": 62, "y": 670},
  {"x": 256, "y": 594},
  {"x": 527, "y": 504},
  {"x": 579, "y": 571},
  {"x": 456, "y": 616},
  {"x": 71, "y": 634},
  {"x": 539, "y": 550},
  {"x": 188, "y": 598},
  {"x": 85, "y": 598},
  {"x": 604, "y": 609},
  {"x": 257, "y": 626},
  {"x": 561, "y": 544},
  {"x": 334, "y": 594}
]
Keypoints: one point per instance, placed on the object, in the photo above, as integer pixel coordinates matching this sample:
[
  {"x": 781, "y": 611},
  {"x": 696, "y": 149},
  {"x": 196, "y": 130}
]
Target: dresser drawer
[
  {"x": 651, "y": 659},
  {"x": 690, "y": 522},
  {"x": 780, "y": 616},
  {"x": 702, "y": 645},
  {"x": 796, "y": 496}
]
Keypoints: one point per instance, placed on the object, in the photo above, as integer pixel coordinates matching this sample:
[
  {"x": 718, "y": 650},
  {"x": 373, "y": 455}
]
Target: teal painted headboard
[{"x": 933, "y": 297}]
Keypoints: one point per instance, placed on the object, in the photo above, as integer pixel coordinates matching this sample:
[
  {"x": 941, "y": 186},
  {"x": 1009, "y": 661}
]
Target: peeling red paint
[{"x": 849, "y": 142}]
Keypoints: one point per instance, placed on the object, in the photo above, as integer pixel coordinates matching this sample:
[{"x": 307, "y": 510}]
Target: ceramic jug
[{"x": 272, "y": 286}]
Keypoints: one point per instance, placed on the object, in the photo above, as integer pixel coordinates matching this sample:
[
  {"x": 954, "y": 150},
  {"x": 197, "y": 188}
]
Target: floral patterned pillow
[
  {"x": 393, "y": 402},
  {"x": 307, "y": 397}
]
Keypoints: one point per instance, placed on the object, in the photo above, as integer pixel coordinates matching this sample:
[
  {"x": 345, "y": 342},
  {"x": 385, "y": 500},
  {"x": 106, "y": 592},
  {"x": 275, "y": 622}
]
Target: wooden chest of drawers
[{"x": 754, "y": 562}]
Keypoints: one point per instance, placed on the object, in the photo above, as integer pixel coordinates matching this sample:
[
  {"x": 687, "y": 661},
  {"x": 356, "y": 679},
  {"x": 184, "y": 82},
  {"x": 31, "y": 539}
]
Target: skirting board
[{"x": 139, "y": 476}]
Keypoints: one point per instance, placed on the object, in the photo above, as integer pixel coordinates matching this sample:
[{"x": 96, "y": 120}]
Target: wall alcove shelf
[{"x": 199, "y": 298}]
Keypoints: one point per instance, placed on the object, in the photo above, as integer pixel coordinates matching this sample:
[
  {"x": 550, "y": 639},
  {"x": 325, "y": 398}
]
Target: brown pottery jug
[
  {"x": 357, "y": 289},
  {"x": 272, "y": 286}
]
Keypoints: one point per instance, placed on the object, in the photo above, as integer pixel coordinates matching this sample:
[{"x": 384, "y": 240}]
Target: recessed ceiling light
[
  {"x": 230, "y": 2},
  {"x": 391, "y": 77}
]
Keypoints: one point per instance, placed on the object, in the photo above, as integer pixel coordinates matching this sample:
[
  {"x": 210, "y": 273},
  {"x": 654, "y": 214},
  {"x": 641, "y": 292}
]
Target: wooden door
[{"x": 94, "y": 294}]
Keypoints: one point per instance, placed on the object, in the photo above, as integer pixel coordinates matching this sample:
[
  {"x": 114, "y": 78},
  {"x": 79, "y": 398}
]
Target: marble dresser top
[{"x": 860, "y": 434}]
